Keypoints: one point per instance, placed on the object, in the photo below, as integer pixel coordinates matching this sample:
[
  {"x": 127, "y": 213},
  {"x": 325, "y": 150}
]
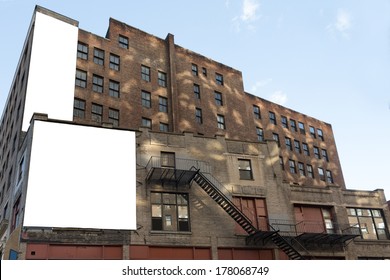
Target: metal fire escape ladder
[
  {"x": 218, "y": 196},
  {"x": 286, "y": 246}
]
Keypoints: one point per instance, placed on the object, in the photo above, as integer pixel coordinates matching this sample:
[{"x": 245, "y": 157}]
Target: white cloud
[
  {"x": 249, "y": 10},
  {"x": 259, "y": 84},
  {"x": 342, "y": 23},
  {"x": 249, "y": 14},
  {"x": 279, "y": 97}
]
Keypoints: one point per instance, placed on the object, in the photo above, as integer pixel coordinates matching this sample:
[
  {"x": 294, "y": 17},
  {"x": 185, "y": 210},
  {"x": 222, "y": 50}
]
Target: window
[
  {"x": 219, "y": 79},
  {"x": 97, "y": 83},
  {"x": 288, "y": 143},
  {"x": 245, "y": 169},
  {"x": 81, "y": 78},
  {"x": 97, "y": 113},
  {"x": 284, "y": 122},
  {"x": 170, "y": 211},
  {"x": 293, "y": 169},
  {"x": 256, "y": 112},
  {"x": 320, "y": 134},
  {"x": 321, "y": 174},
  {"x": 113, "y": 116},
  {"x": 293, "y": 125},
  {"x": 197, "y": 91},
  {"x": 123, "y": 42},
  {"x": 275, "y": 136},
  {"x": 297, "y": 146},
  {"x": 281, "y": 162},
  {"x": 218, "y": 98},
  {"x": 145, "y": 122},
  {"x": 162, "y": 79},
  {"x": 163, "y": 104},
  {"x": 146, "y": 99},
  {"x": 168, "y": 159},
  {"x": 369, "y": 223},
  {"x": 324, "y": 154},
  {"x": 98, "y": 56},
  {"x": 329, "y": 177},
  {"x": 79, "y": 108},
  {"x": 114, "y": 62},
  {"x": 312, "y": 131},
  {"x": 198, "y": 115},
  {"x": 305, "y": 148},
  {"x": 114, "y": 89},
  {"x": 260, "y": 134},
  {"x": 221, "y": 122},
  {"x": 16, "y": 213},
  {"x": 309, "y": 170},
  {"x": 204, "y": 71},
  {"x": 145, "y": 73},
  {"x": 316, "y": 152},
  {"x": 272, "y": 117},
  {"x": 82, "y": 51},
  {"x": 194, "y": 69},
  {"x": 21, "y": 169},
  {"x": 301, "y": 168},
  {"x": 164, "y": 127},
  {"x": 301, "y": 128}
]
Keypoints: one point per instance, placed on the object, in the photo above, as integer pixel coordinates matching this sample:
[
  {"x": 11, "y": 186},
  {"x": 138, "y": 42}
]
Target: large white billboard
[
  {"x": 51, "y": 80},
  {"x": 81, "y": 177}
]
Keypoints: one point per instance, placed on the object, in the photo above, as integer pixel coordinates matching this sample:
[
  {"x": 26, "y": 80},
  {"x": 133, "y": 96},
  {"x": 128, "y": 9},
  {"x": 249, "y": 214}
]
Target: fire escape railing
[{"x": 287, "y": 235}]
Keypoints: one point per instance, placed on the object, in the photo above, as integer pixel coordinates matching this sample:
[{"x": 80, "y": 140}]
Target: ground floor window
[
  {"x": 369, "y": 221},
  {"x": 170, "y": 211}
]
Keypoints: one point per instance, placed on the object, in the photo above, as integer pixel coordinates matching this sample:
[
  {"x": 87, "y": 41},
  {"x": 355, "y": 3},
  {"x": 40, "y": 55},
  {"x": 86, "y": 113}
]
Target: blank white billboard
[
  {"x": 51, "y": 77},
  {"x": 81, "y": 177}
]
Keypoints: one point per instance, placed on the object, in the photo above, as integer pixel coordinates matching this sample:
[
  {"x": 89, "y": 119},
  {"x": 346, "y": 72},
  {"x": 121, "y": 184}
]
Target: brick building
[{"x": 218, "y": 172}]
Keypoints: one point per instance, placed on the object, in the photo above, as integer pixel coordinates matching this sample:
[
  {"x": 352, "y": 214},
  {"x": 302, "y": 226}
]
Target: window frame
[
  {"x": 163, "y": 210},
  {"x": 82, "y": 50},
  {"x": 197, "y": 91},
  {"x": 115, "y": 61},
  {"x": 194, "y": 69},
  {"x": 245, "y": 169},
  {"x": 146, "y": 122},
  {"x": 98, "y": 56},
  {"x": 219, "y": 79},
  {"x": 113, "y": 116},
  {"x": 97, "y": 112},
  {"x": 221, "y": 122},
  {"x": 123, "y": 41},
  {"x": 81, "y": 78},
  {"x": 162, "y": 79},
  {"x": 198, "y": 115},
  {"x": 78, "y": 110},
  {"x": 114, "y": 88},
  {"x": 163, "y": 104},
  {"x": 256, "y": 112},
  {"x": 272, "y": 118},
  {"x": 97, "y": 83},
  {"x": 146, "y": 99},
  {"x": 218, "y": 98},
  {"x": 145, "y": 73}
]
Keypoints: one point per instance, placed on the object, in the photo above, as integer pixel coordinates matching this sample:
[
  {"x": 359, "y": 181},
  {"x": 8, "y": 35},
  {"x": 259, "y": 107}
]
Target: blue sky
[{"x": 328, "y": 59}]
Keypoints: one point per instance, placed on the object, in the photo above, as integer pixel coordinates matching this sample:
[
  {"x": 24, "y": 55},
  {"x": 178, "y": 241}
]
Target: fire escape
[{"x": 287, "y": 236}]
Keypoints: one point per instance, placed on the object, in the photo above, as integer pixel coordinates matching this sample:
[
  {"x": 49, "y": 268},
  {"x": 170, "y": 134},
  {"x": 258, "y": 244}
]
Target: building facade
[{"x": 218, "y": 172}]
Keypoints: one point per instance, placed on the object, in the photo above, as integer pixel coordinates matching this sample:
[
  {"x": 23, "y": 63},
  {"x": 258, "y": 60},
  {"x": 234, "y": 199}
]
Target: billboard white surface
[
  {"x": 81, "y": 177},
  {"x": 50, "y": 88}
]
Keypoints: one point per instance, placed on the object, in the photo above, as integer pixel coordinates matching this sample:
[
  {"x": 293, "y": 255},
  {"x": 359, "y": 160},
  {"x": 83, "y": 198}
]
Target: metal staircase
[
  {"x": 218, "y": 196},
  {"x": 286, "y": 247}
]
